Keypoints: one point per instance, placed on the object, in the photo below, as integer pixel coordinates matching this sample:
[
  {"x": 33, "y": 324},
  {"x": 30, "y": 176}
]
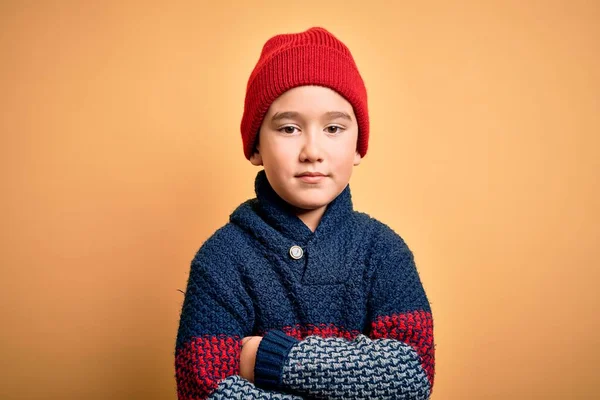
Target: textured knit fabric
[
  {"x": 235, "y": 387},
  {"x": 332, "y": 368},
  {"x": 313, "y": 57},
  {"x": 356, "y": 281}
]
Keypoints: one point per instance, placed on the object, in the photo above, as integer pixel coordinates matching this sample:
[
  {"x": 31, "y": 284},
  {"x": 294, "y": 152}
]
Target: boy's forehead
[
  {"x": 310, "y": 100},
  {"x": 281, "y": 115}
]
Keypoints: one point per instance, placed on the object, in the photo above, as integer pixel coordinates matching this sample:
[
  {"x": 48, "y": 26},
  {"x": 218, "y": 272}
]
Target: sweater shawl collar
[{"x": 273, "y": 220}]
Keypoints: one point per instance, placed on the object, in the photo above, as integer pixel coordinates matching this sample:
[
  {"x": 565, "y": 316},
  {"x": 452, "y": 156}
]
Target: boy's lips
[
  {"x": 311, "y": 174},
  {"x": 311, "y": 177}
]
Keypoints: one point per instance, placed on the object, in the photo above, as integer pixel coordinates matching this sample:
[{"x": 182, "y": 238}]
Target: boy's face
[{"x": 308, "y": 129}]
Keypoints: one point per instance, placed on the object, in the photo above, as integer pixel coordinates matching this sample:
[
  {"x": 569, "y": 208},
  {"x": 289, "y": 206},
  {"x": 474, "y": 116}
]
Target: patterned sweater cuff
[{"x": 270, "y": 358}]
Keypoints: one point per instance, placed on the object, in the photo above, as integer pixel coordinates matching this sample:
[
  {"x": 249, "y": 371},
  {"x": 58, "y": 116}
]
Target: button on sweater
[{"x": 342, "y": 310}]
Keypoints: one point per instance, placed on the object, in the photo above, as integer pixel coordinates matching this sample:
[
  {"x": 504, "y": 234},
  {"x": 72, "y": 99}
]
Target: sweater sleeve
[
  {"x": 216, "y": 314},
  {"x": 394, "y": 362},
  {"x": 398, "y": 305}
]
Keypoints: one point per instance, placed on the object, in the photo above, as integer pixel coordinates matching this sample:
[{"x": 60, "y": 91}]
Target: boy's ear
[
  {"x": 256, "y": 158},
  {"x": 357, "y": 158}
]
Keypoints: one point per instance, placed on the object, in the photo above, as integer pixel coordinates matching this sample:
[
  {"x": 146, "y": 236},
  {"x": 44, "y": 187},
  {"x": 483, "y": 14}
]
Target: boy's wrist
[{"x": 272, "y": 353}]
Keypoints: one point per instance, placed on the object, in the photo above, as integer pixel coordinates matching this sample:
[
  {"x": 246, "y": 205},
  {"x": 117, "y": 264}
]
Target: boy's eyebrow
[
  {"x": 293, "y": 114},
  {"x": 284, "y": 115},
  {"x": 339, "y": 114}
]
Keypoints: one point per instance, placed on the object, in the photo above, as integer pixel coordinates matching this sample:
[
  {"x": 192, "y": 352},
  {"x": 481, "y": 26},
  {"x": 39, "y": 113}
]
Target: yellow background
[{"x": 121, "y": 153}]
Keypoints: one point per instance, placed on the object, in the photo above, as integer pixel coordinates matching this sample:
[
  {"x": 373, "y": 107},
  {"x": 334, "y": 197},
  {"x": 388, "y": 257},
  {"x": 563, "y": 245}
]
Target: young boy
[{"x": 299, "y": 296}]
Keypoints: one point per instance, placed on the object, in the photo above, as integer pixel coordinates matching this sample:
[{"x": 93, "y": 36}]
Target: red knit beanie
[{"x": 313, "y": 57}]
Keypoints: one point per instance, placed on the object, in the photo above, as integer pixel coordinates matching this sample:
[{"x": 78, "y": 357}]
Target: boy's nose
[{"x": 311, "y": 149}]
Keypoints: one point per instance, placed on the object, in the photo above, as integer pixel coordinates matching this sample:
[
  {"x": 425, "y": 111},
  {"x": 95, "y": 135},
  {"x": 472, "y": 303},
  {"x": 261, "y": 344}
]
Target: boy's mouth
[
  {"x": 310, "y": 174},
  {"x": 311, "y": 177}
]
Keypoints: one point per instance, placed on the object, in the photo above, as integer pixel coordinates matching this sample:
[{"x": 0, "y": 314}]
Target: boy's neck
[{"x": 311, "y": 218}]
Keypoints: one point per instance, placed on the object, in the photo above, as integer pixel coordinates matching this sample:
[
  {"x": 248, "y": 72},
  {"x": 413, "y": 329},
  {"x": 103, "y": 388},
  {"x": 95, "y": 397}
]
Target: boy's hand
[{"x": 248, "y": 356}]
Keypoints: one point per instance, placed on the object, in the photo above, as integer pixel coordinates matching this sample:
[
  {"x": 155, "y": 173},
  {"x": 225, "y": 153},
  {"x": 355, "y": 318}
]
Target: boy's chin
[{"x": 308, "y": 206}]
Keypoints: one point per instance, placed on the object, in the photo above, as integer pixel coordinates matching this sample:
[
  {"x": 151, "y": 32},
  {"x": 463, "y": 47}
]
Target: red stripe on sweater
[
  {"x": 323, "y": 330},
  {"x": 203, "y": 362},
  {"x": 413, "y": 328}
]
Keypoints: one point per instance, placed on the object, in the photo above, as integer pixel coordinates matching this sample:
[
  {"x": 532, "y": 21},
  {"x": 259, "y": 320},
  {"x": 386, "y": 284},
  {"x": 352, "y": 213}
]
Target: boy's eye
[
  {"x": 333, "y": 129},
  {"x": 287, "y": 129}
]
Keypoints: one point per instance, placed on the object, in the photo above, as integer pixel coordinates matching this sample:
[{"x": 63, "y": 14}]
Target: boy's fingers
[{"x": 247, "y": 338}]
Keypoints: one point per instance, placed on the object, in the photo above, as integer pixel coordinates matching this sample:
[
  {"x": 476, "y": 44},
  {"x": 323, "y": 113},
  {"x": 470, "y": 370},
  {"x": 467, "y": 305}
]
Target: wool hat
[{"x": 313, "y": 57}]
